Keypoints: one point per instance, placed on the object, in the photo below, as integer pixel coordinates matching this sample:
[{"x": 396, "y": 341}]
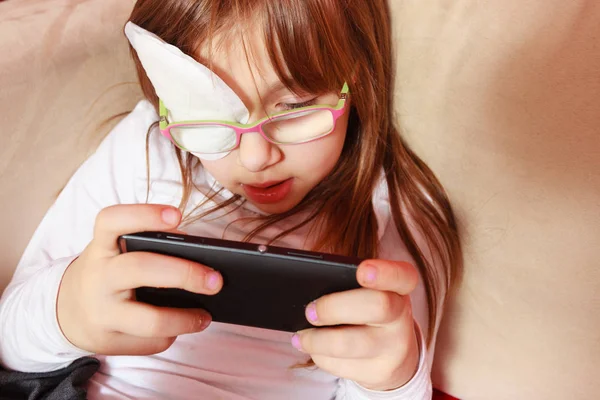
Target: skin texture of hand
[
  {"x": 96, "y": 305},
  {"x": 375, "y": 342}
]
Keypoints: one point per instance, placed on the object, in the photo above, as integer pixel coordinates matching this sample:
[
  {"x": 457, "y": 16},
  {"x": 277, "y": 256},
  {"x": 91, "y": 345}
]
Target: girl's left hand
[{"x": 376, "y": 344}]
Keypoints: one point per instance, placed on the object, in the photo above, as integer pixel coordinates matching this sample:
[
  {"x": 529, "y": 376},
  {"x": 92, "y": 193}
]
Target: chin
[{"x": 276, "y": 208}]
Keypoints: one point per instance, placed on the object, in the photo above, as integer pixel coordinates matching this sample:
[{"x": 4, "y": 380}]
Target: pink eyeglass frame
[{"x": 240, "y": 129}]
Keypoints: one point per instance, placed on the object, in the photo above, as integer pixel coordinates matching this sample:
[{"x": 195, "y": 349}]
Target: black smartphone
[{"x": 263, "y": 286}]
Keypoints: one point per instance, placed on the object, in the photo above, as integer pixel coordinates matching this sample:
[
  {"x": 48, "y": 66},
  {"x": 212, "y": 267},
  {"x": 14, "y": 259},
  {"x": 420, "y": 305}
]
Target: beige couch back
[
  {"x": 500, "y": 97},
  {"x": 65, "y": 70}
]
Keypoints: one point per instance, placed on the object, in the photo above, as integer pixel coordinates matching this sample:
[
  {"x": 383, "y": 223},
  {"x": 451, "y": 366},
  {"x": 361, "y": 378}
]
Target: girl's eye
[{"x": 293, "y": 106}]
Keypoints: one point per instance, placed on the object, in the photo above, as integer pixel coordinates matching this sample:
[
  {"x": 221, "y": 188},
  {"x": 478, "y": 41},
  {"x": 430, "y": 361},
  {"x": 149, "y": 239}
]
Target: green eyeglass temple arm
[
  {"x": 162, "y": 112},
  {"x": 345, "y": 88}
]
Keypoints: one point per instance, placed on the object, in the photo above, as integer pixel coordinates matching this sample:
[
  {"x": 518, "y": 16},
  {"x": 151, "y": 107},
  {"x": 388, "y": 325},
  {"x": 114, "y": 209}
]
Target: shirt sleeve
[
  {"x": 30, "y": 337},
  {"x": 418, "y": 388}
]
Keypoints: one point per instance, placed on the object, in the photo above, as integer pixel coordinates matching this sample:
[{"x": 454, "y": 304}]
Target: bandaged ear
[{"x": 189, "y": 90}]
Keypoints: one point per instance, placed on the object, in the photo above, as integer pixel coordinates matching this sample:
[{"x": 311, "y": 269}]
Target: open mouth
[{"x": 268, "y": 192}]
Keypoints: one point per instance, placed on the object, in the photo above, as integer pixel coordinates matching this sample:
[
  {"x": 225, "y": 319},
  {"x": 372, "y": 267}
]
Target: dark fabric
[
  {"x": 65, "y": 384},
  {"x": 437, "y": 395}
]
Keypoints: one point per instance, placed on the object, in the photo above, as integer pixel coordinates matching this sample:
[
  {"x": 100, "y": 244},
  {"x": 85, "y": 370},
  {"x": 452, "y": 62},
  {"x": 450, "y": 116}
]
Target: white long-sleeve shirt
[{"x": 223, "y": 362}]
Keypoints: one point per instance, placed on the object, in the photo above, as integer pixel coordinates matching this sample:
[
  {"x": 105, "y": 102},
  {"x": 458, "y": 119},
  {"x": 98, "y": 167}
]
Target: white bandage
[{"x": 189, "y": 90}]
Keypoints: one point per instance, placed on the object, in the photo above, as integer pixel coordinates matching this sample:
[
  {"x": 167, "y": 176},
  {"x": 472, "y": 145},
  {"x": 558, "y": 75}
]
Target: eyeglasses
[{"x": 300, "y": 125}]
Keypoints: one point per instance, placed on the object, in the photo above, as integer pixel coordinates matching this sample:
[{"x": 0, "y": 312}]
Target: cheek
[
  {"x": 218, "y": 168},
  {"x": 319, "y": 157}
]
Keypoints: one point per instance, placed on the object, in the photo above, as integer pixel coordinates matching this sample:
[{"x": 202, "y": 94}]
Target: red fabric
[{"x": 437, "y": 395}]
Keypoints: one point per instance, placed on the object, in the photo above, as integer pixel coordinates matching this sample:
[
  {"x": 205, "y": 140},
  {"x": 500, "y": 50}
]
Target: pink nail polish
[
  {"x": 369, "y": 273},
  {"x": 311, "y": 312},
  {"x": 296, "y": 342},
  {"x": 170, "y": 216},
  {"x": 212, "y": 280}
]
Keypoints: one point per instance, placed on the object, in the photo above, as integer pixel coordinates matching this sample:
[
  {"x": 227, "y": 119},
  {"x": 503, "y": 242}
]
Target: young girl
[{"x": 276, "y": 128}]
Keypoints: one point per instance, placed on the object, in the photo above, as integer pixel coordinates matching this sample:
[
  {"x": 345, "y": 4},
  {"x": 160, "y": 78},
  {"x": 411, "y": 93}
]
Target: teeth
[{"x": 268, "y": 187}]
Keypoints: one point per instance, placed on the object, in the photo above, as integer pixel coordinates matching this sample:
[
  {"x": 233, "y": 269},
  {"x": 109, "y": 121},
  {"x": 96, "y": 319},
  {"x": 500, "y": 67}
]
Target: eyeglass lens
[{"x": 285, "y": 129}]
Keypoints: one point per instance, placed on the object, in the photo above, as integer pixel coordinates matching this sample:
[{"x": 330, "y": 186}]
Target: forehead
[{"x": 241, "y": 59}]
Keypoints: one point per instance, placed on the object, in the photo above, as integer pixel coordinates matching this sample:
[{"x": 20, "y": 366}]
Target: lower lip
[{"x": 269, "y": 195}]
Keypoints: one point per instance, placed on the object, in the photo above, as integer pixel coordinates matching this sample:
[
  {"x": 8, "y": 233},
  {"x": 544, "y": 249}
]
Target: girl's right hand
[{"x": 96, "y": 306}]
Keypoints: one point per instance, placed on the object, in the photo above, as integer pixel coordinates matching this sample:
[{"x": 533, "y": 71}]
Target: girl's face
[{"x": 274, "y": 178}]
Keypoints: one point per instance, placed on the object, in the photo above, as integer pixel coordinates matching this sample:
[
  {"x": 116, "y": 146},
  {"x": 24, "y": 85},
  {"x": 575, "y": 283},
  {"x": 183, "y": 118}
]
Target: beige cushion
[
  {"x": 65, "y": 69},
  {"x": 502, "y": 99}
]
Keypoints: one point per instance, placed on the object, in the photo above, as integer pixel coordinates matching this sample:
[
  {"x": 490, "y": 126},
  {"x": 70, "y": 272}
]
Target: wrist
[
  {"x": 66, "y": 314},
  {"x": 407, "y": 369},
  {"x": 410, "y": 366}
]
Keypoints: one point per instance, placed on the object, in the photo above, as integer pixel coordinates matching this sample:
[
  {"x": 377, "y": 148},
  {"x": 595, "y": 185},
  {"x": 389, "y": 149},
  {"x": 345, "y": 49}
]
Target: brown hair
[{"x": 317, "y": 45}]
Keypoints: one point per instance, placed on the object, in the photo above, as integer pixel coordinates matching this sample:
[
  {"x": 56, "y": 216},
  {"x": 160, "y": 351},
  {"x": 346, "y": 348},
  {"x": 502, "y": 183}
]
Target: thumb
[
  {"x": 121, "y": 219},
  {"x": 386, "y": 275}
]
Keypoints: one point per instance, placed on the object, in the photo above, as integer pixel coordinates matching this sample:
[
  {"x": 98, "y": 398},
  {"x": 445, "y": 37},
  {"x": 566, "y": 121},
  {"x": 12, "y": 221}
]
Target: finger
[
  {"x": 138, "y": 269},
  {"x": 146, "y": 321},
  {"x": 357, "y": 307},
  {"x": 342, "y": 367},
  {"x": 119, "y": 344},
  {"x": 175, "y": 231},
  {"x": 121, "y": 219},
  {"x": 395, "y": 276},
  {"x": 344, "y": 342},
  {"x": 373, "y": 374}
]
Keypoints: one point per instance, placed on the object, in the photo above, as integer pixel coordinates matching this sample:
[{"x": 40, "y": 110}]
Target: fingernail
[
  {"x": 311, "y": 312},
  {"x": 296, "y": 342},
  {"x": 369, "y": 273},
  {"x": 170, "y": 216},
  {"x": 212, "y": 280},
  {"x": 205, "y": 322}
]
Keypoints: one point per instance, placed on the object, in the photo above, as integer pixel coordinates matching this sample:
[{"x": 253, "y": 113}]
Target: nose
[{"x": 256, "y": 153}]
